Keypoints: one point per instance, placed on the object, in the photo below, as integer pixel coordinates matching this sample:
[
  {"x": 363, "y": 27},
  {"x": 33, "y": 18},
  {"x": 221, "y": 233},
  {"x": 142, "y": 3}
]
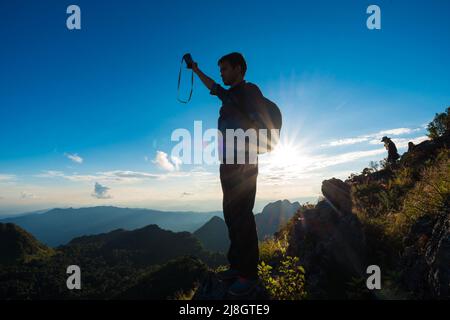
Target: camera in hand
[{"x": 188, "y": 58}]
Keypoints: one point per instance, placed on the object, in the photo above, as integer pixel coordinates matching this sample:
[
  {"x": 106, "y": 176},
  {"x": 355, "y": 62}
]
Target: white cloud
[
  {"x": 403, "y": 143},
  {"x": 27, "y": 195},
  {"x": 7, "y": 177},
  {"x": 419, "y": 139},
  {"x": 101, "y": 192},
  {"x": 125, "y": 176},
  {"x": 74, "y": 157},
  {"x": 342, "y": 142},
  {"x": 376, "y": 141},
  {"x": 396, "y": 132},
  {"x": 373, "y": 138},
  {"x": 50, "y": 174},
  {"x": 120, "y": 175},
  {"x": 162, "y": 161},
  {"x": 82, "y": 177},
  {"x": 115, "y": 175},
  {"x": 328, "y": 161}
]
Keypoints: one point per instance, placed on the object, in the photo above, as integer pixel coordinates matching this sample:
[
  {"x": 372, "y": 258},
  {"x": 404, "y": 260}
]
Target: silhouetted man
[
  {"x": 393, "y": 155},
  {"x": 238, "y": 181}
]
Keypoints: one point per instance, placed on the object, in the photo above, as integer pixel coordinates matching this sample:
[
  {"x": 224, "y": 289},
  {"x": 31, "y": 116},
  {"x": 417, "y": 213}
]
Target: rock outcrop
[
  {"x": 338, "y": 194},
  {"x": 330, "y": 243}
]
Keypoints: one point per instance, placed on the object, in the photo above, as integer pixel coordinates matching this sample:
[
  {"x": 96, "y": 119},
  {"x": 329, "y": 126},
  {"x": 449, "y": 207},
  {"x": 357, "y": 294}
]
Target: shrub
[
  {"x": 282, "y": 275},
  {"x": 431, "y": 195},
  {"x": 367, "y": 199},
  {"x": 286, "y": 283},
  {"x": 272, "y": 249}
]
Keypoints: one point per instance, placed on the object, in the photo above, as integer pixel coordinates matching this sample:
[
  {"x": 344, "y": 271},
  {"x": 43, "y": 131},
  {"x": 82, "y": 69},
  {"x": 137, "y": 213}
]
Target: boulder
[
  {"x": 338, "y": 193},
  {"x": 330, "y": 242}
]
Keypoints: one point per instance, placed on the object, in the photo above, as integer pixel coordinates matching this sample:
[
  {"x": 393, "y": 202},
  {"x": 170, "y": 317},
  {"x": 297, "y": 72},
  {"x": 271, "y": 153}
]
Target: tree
[{"x": 440, "y": 125}]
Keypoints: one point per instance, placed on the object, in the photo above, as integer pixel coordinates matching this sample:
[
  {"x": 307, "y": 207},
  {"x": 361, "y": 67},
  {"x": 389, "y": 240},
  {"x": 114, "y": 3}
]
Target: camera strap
[{"x": 179, "y": 81}]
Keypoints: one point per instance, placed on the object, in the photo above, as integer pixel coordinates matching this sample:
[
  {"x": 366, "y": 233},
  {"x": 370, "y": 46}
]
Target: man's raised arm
[{"x": 207, "y": 81}]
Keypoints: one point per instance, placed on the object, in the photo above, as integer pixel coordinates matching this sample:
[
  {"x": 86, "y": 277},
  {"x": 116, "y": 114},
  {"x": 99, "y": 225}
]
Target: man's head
[{"x": 232, "y": 68}]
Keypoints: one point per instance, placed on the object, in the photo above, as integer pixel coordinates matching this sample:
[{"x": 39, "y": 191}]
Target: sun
[
  {"x": 285, "y": 154},
  {"x": 289, "y": 156}
]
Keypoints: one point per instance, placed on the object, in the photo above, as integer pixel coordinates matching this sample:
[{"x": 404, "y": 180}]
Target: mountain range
[
  {"x": 119, "y": 263},
  {"x": 58, "y": 226}
]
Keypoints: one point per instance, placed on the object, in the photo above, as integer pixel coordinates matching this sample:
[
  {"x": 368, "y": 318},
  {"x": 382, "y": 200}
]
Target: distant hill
[
  {"x": 4, "y": 214},
  {"x": 17, "y": 245},
  {"x": 58, "y": 226},
  {"x": 273, "y": 216},
  {"x": 214, "y": 234},
  {"x": 148, "y": 245}
]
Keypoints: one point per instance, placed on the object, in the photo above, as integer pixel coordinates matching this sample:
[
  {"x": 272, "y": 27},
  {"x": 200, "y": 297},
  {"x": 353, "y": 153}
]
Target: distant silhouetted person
[
  {"x": 238, "y": 181},
  {"x": 411, "y": 146},
  {"x": 393, "y": 155}
]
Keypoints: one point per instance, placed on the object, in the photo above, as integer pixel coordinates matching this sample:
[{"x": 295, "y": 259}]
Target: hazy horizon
[{"x": 5, "y": 213}]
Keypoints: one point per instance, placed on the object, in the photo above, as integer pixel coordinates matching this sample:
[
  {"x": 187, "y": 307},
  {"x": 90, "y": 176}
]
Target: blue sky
[{"x": 98, "y": 105}]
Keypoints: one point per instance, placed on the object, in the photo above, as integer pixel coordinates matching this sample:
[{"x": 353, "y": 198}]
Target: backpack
[
  {"x": 268, "y": 116},
  {"x": 271, "y": 120}
]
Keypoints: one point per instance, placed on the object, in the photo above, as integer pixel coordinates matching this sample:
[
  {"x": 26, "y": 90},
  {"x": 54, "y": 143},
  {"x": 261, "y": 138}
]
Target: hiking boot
[
  {"x": 242, "y": 286},
  {"x": 229, "y": 274}
]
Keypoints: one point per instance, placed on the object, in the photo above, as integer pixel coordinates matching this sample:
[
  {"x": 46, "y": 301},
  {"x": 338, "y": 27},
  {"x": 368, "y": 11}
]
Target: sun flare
[{"x": 289, "y": 156}]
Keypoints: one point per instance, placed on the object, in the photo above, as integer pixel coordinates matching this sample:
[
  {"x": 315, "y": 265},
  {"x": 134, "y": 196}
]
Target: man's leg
[{"x": 239, "y": 191}]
